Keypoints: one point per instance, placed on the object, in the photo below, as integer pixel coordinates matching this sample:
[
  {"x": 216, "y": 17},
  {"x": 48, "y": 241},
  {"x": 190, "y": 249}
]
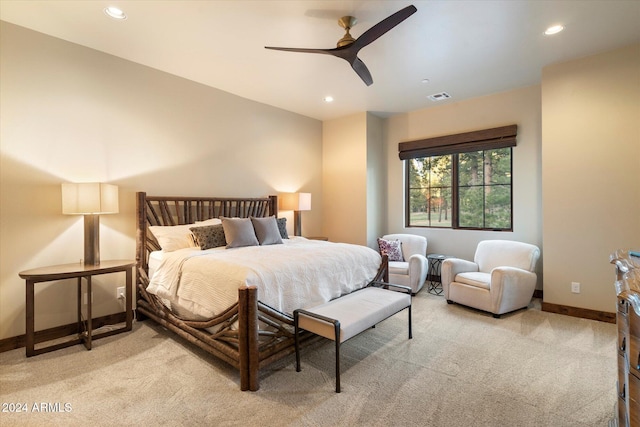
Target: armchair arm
[
  {"x": 450, "y": 268},
  {"x": 418, "y": 269},
  {"x": 511, "y": 288}
]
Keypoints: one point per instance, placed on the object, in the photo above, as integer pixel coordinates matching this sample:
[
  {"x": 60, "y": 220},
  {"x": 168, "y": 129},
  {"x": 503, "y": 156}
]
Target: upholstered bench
[{"x": 347, "y": 316}]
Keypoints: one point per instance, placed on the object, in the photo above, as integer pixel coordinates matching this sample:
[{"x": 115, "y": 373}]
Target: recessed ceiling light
[
  {"x": 328, "y": 99},
  {"x": 115, "y": 13},
  {"x": 555, "y": 29},
  {"x": 425, "y": 80}
]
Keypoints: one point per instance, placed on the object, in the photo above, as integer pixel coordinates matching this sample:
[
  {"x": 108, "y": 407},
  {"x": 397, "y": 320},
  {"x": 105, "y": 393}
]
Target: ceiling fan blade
[
  {"x": 345, "y": 53},
  {"x": 382, "y": 27},
  {"x": 362, "y": 71},
  {"x": 296, "y": 49}
]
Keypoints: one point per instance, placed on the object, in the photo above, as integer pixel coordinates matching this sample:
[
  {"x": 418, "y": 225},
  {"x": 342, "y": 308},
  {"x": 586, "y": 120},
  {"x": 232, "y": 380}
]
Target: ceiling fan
[{"x": 348, "y": 47}]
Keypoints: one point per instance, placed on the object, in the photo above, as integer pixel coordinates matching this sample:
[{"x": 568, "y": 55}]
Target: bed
[{"x": 248, "y": 331}]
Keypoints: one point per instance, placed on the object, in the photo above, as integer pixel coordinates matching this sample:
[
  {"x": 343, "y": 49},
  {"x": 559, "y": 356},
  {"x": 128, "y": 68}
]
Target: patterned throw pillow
[
  {"x": 282, "y": 226},
  {"x": 209, "y": 236},
  {"x": 391, "y": 248}
]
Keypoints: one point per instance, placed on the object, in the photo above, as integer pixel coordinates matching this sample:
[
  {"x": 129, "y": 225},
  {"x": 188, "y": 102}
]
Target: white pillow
[
  {"x": 174, "y": 237},
  {"x": 212, "y": 221}
]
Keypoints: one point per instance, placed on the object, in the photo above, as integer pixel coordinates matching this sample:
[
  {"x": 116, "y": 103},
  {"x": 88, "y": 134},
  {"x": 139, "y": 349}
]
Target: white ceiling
[{"x": 466, "y": 48}]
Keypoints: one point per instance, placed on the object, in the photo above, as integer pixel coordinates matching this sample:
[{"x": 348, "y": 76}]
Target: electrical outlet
[
  {"x": 575, "y": 287},
  {"x": 120, "y": 292}
]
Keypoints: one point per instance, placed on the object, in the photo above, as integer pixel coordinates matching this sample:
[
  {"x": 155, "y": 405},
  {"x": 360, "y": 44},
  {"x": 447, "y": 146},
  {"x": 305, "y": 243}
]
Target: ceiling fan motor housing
[{"x": 346, "y": 22}]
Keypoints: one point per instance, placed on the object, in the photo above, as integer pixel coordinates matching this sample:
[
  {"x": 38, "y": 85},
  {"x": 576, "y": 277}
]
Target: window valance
[{"x": 486, "y": 139}]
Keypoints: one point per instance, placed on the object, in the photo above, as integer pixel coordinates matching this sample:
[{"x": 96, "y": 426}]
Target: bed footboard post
[
  {"x": 248, "y": 338},
  {"x": 383, "y": 271}
]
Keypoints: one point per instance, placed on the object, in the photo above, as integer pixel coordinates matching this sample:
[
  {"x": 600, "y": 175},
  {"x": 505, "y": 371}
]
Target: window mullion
[
  {"x": 485, "y": 184},
  {"x": 407, "y": 197},
  {"x": 454, "y": 191}
]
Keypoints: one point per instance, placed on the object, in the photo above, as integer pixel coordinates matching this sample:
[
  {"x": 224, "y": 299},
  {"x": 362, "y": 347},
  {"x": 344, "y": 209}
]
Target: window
[
  {"x": 462, "y": 184},
  {"x": 430, "y": 191}
]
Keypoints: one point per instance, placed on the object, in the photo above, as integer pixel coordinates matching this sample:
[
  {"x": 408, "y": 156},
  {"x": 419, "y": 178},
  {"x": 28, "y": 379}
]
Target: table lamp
[
  {"x": 90, "y": 199},
  {"x": 296, "y": 202}
]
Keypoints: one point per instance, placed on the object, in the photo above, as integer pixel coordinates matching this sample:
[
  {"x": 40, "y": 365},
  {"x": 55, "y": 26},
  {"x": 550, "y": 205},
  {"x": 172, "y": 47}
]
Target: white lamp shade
[
  {"x": 296, "y": 201},
  {"x": 89, "y": 198}
]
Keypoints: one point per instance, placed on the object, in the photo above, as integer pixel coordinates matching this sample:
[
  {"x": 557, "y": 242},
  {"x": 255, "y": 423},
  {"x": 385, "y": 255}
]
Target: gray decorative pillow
[
  {"x": 209, "y": 236},
  {"x": 239, "y": 232},
  {"x": 282, "y": 227},
  {"x": 267, "y": 230}
]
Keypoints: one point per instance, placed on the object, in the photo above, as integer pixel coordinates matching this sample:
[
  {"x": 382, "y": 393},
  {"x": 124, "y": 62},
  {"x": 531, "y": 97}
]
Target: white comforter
[{"x": 299, "y": 273}]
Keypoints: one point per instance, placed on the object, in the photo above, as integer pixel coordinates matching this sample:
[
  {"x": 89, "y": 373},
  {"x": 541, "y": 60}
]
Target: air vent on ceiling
[{"x": 439, "y": 96}]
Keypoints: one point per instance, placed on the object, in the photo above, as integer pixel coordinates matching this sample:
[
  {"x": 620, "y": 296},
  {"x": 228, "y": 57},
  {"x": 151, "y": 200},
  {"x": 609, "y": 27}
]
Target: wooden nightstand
[{"x": 72, "y": 271}]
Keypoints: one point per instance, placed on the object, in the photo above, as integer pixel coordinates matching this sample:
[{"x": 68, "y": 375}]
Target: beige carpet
[{"x": 462, "y": 368}]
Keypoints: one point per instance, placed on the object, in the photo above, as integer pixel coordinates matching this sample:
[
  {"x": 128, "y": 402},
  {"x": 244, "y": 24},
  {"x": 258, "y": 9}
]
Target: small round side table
[{"x": 433, "y": 277}]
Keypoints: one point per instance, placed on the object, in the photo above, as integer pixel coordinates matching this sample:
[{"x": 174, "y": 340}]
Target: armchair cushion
[
  {"x": 396, "y": 267},
  {"x": 478, "y": 279}
]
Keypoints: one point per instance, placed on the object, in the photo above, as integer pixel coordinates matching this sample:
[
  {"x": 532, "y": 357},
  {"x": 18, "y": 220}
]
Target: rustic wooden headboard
[{"x": 179, "y": 210}]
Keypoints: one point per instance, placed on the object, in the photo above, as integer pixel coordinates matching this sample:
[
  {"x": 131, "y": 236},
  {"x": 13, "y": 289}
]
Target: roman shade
[{"x": 479, "y": 140}]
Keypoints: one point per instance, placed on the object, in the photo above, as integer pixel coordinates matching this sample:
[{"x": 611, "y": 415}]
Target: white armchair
[
  {"x": 500, "y": 279},
  {"x": 413, "y": 270}
]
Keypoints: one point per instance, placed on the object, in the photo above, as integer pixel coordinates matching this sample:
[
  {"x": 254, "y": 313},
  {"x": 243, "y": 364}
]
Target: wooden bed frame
[{"x": 250, "y": 346}]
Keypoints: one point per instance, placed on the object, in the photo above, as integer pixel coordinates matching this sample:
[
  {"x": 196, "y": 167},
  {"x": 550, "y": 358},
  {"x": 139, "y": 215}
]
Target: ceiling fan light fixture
[
  {"x": 554, "y": 29},
  {"x": 115, "y": 13}
]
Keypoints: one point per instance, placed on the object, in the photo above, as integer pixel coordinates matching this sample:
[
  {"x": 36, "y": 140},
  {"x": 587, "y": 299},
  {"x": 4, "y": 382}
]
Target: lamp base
[
  {"x": 91, "y": 239},
  {"x": 297, "y": 223}
]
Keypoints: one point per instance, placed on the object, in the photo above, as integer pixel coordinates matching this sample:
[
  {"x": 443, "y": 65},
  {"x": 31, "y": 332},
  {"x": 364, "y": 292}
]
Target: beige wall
[
  {"x": 591, "y": 173},
  {"x": 354, "y": 179},
  {"x": 376, "y": 180},
  {"x": 74, "y": 114},
  {"x": 344, "y": 179},
  {"x": 521, "y": 107}
]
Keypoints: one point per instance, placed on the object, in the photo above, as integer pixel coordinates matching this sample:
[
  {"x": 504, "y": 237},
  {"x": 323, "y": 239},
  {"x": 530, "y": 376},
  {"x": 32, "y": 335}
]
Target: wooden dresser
[{"x": 628, "y": 320}]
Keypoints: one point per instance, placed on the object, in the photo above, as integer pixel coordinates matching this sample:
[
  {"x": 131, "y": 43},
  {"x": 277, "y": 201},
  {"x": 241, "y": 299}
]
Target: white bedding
[
  {"x": 155, "y": 258},
  {"x": 299, "y": 273}
]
